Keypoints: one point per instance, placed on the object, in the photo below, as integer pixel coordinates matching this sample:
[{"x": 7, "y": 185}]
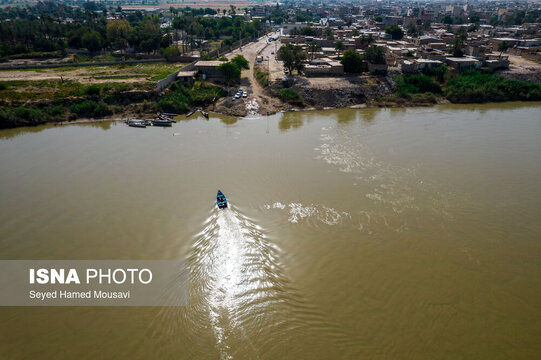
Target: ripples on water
[
  {"x": 387, "y": 187},
  {"x": 241, "y": 303}
]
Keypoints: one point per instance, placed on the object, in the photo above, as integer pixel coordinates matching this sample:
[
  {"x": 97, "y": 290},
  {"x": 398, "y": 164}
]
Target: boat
[
  {"x": 160, "y": 122},
  {"x": 190, "y": 113},
  {"x": 221, "y": 200},
  {"x": 137, "y": 123},
  {"x": 204, "y": 114},
  {"x": 170, "y": 114},
  {"x": 163, "y": 116}
]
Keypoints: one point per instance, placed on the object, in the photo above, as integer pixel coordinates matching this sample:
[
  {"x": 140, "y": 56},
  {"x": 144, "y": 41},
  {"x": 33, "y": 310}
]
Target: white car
[{"x": 245, "y": 95}]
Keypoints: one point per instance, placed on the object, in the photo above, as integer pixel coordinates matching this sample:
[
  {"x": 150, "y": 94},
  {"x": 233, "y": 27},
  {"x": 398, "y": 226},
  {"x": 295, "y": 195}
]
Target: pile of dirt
[{"x": 337, "y": 92}]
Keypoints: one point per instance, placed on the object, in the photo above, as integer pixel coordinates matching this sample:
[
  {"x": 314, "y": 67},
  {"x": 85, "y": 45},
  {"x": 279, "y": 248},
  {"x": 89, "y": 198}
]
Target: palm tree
[{"x": 312, "y": 48}]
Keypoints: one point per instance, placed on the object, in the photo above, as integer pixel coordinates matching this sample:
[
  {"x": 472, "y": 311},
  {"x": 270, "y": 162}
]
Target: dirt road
[{"x": 257, "y": 102}]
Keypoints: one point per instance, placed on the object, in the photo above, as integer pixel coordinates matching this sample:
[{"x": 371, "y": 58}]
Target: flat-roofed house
[
  {"x": 462, "y": 62},
  {"x": 208, "y": 68}
]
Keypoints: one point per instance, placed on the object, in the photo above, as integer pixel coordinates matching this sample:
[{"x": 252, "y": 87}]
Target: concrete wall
[
  {"x": 164, "y": 83},
  {"x": 48, "y": 66}
]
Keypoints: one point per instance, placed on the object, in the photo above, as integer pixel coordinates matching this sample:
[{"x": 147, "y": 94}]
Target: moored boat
[
  {"x": 160, "y": 122},
  {"x": 137, "y": 123},
  {"x": 165, "y": 117},
  {"x": 204, "y": 114},
  {"x": 221, "y": 200}
]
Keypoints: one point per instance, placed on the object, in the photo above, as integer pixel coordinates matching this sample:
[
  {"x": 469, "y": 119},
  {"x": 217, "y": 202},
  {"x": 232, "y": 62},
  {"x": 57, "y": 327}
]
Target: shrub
[
  {"x": 416, "y": 84},
  {"x": 262, "y": 77},
  {"x": 3, "y": 86},
  {"x": 90, "y": 108},
  {"x": 30, "y": 116},
  {"x": 475, "y": 86},
  {"x": 55, "y": 110},
  {"x": 92, "y": 90},
  {"x": 291, "y": 96},
  {"x": 171, "y": 52},
  {"x": 183, "y": 98}
]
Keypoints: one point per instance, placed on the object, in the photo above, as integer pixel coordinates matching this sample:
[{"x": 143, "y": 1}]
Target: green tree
[
  {"x": 475, "y": 18},
  {"x": 352, "y": 61},
  {"x": 230, "y": 71},
  {"x": 339, "y": 45},
  {"x": 312, "y": 49},
  {"x": 503, "y": 46},
  {"x": 413, "y": 30},
  {"x": 293, "y": 57},
  {"x": 447, "y": 19},
  {"x": 241, "y": 62},
  {"x": 395, "y": 31},
  {"x": 118, "y": 32},
  {"x": 375, "y": 55},
  {"x": 457, "y": 48},
  {"x": 92, "y": 41}
]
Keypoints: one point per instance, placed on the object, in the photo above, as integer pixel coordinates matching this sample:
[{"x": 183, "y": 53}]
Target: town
[{"x": 113, "y": 59}]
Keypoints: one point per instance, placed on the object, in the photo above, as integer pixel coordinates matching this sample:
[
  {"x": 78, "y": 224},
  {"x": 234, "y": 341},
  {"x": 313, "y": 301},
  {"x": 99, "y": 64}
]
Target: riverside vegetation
[{"x": 468, "y": 86}]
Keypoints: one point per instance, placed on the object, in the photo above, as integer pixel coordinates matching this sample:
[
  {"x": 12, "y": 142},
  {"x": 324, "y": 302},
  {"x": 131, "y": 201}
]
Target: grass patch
[{"x": 262, "y": 77}]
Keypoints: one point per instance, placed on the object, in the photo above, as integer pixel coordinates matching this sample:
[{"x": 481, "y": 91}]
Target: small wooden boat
[
  {"x": 137, "y": 123},
  {"x": 162, "y": 116},
  {"x": 160, "y": 122},
  {"x": 221, "y": 200},
  {"x": 170, "y": 114},
  {"x": 204, "y": 114},
  {"x": 190, "y": 113}
]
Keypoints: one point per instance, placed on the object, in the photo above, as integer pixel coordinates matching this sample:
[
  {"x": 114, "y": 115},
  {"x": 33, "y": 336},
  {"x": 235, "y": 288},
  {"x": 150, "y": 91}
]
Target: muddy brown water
[{"x": 352, "y": 234}]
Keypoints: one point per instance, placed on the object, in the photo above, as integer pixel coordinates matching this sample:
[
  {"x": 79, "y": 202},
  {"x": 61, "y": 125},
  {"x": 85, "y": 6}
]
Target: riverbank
[{"x": 58, "y": 102}]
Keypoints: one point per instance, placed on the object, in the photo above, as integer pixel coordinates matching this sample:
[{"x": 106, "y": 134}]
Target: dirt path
[{"x": 263, "y": 103}]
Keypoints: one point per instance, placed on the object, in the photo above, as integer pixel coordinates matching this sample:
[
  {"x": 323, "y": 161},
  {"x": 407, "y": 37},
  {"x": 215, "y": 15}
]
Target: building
[{"x": 208, "y": 68}]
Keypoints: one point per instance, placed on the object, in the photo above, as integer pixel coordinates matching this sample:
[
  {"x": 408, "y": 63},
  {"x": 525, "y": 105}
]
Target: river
[{"x": 351, "y": 234}]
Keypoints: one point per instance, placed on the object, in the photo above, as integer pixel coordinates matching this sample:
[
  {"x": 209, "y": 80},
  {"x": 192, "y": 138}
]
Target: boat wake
[{"x": 241, "y": 303}]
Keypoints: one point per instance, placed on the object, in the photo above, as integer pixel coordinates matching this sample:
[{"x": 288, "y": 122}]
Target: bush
[
  {"x": 416, "y": 84},
  {"x": 262, "y": 77},
  {"x": 91, "y": 109},
  {"x": 477, "y": 87},
  {"x": 183, "y": 98},
  {"x": 3, "y": 86},
  {"x": 291, "y": 97},
  {"x": 171, "y": 52},
  {"x": 21, "y": 116},
  {"x": 55, "y": 110},
  {"x": 92, "y": 90}
]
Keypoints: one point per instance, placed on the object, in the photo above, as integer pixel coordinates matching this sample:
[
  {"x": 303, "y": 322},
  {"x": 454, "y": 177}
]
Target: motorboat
[
  {"x": 221, "y": 200},
  {"x": 137, "y": 123},
  {"x": 160, "y": 122},
  {"x": 163, "y": 116}
]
